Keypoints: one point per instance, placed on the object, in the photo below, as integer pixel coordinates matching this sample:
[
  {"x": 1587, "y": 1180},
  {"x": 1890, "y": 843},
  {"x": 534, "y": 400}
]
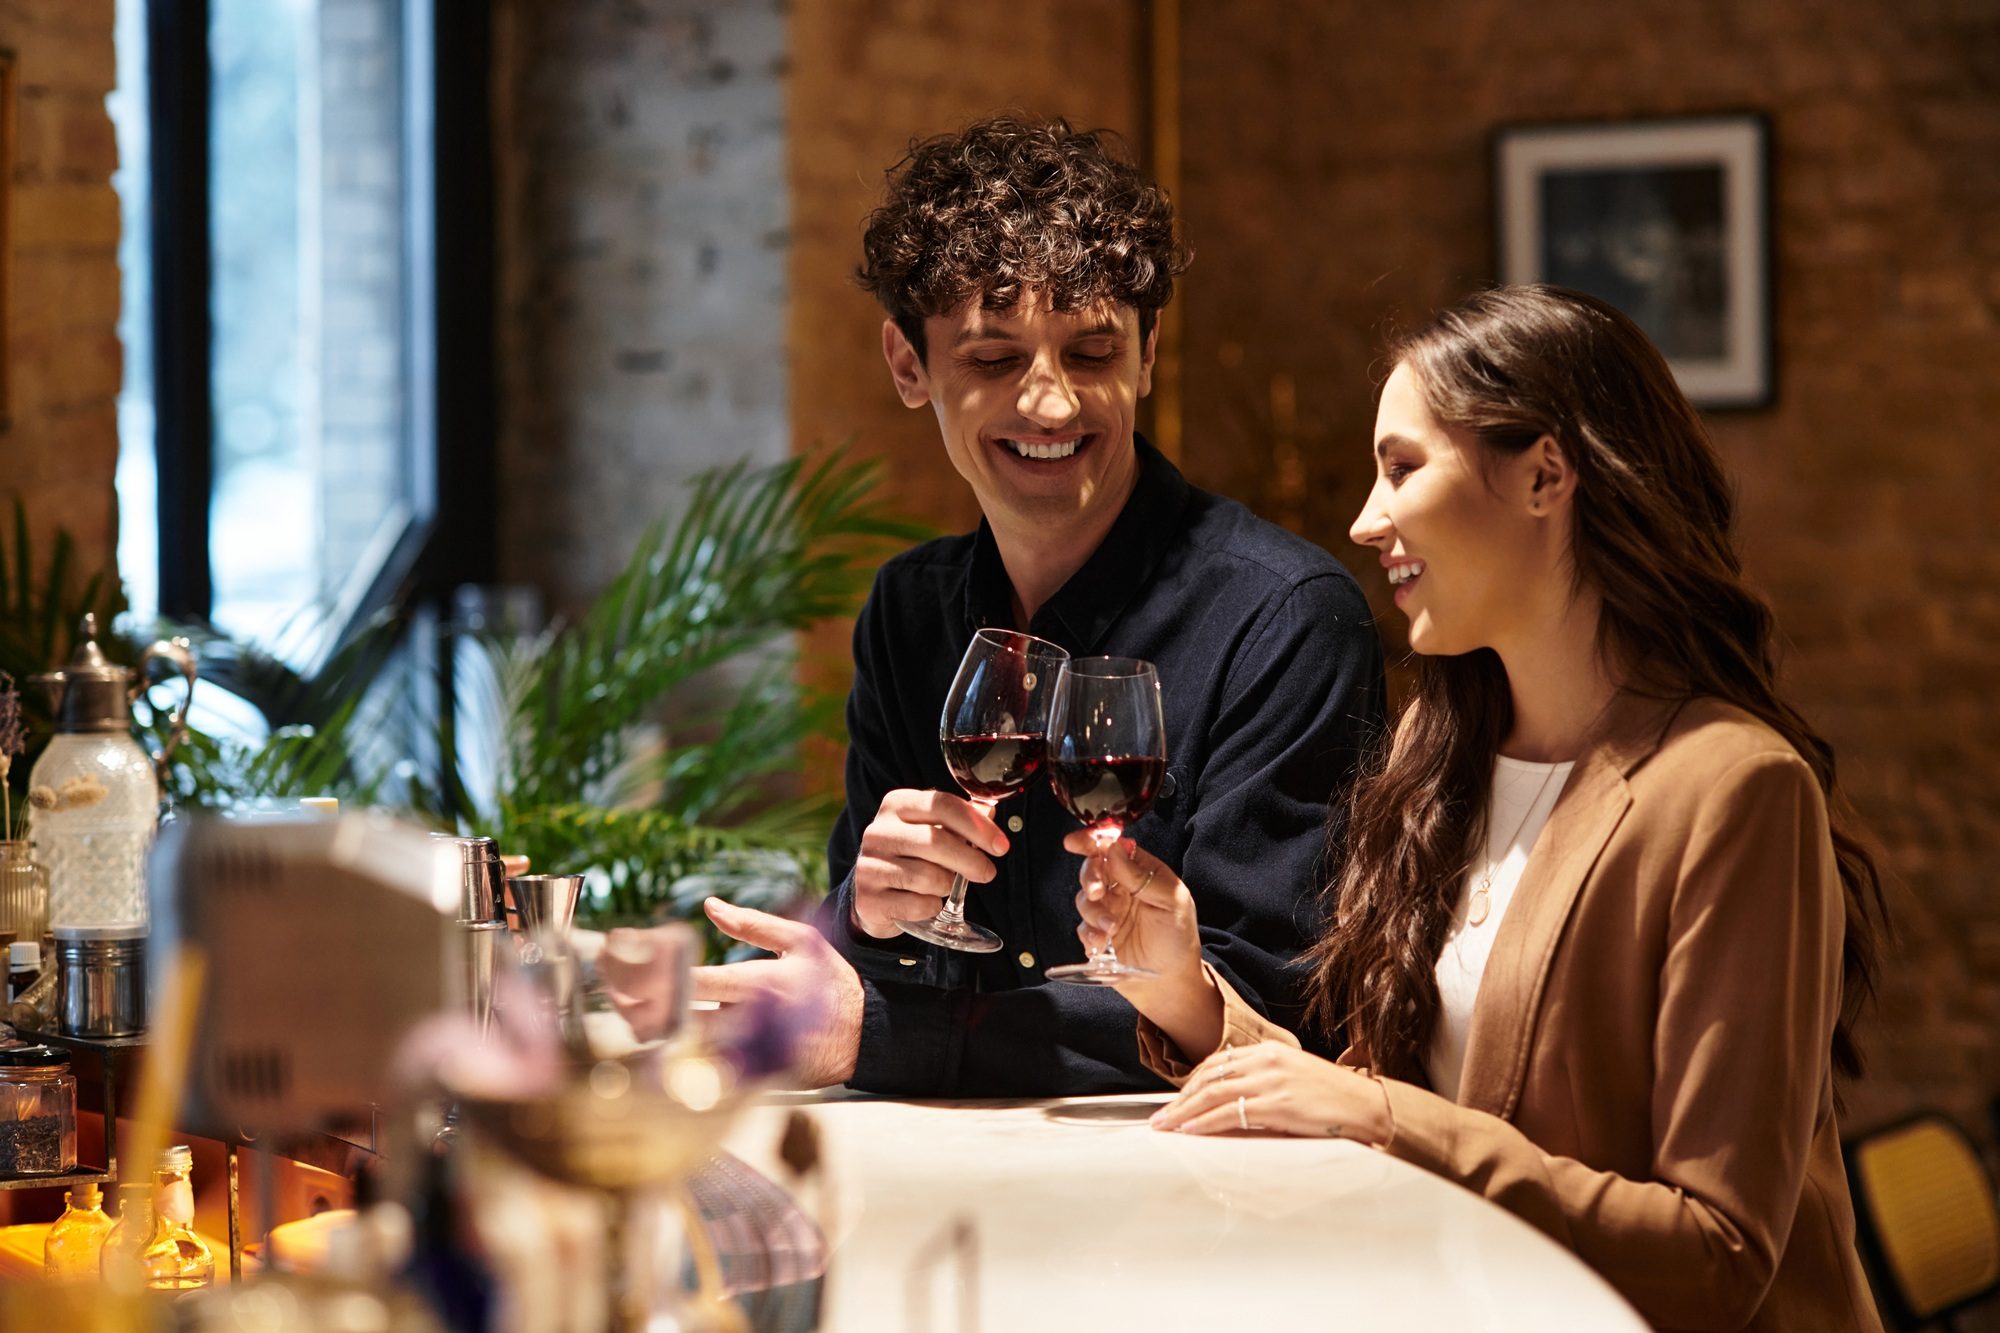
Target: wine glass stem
[
  {"x": 1108, "y": 953},
  {"x": 953, "y": 910},
  {"x": 954, "y": 906}
]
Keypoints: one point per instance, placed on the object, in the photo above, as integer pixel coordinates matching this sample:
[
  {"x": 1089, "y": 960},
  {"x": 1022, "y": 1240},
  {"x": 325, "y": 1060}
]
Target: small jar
[{"x": 37, "y": 1112}]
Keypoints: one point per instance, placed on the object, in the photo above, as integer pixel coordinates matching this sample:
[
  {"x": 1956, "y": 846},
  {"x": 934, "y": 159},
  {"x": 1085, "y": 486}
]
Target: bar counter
[{"x": 1002, "y": 1215}]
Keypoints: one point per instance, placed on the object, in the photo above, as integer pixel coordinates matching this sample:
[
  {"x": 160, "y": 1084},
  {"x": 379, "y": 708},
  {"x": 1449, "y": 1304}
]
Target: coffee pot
[{"x": 94, "y": 796}]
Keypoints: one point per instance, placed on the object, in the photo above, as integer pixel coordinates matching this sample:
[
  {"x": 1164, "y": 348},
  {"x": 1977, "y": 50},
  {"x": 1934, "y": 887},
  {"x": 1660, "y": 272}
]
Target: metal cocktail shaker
[{"x": 482, "y": 919}]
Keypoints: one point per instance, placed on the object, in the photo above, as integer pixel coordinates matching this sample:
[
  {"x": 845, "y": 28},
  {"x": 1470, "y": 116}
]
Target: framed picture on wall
[{"x": 1669, "y": 220}]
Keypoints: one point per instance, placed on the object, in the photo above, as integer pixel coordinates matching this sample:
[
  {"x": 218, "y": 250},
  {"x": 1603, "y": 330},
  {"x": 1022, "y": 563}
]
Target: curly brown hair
[{"x": 1009, "y": 205}]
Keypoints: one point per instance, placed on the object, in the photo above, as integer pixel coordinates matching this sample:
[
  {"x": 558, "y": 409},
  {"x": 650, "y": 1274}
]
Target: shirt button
[
  {"x": 1014, "y": 823},
  {"x": 907, "y": 962},
  {"x": 1026, "y": 959}
]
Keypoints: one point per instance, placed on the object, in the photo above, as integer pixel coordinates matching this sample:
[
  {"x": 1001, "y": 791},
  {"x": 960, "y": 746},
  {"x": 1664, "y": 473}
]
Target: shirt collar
[{"x": 1084, "y": 609}]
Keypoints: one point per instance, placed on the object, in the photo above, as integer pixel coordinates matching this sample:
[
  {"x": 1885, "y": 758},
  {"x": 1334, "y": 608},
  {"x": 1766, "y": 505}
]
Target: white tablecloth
[{"x": 993, "y": 1216}]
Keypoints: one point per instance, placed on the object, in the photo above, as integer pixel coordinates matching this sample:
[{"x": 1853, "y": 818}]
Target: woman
[{"x": 1596, "y": 818}]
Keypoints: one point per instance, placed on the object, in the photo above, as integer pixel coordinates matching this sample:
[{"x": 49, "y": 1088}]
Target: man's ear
[
  {"x": 1147, "y": 353},
  {"x": 1553, "y": 483},
  {"x": 906, "y": 368}
]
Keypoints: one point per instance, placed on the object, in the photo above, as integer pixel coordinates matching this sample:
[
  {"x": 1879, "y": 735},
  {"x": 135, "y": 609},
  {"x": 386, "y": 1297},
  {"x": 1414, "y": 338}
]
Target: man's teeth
[
  {"x": 1403, "y": 573},
  {"x": 1058, "y": 449}
]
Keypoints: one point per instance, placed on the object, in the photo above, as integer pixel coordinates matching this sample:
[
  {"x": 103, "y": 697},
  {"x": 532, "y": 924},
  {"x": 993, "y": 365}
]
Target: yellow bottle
[
  {"x": 76, "y": 1241},
  {"x": 175, "y": 1258}
]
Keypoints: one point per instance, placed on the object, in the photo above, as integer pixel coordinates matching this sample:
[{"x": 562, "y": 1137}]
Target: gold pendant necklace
[{"x": 1481, "y": 902}]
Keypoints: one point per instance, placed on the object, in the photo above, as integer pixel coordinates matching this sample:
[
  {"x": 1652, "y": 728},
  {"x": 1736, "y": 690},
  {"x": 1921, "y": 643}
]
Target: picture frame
[{"x": 1666, "y": 219}]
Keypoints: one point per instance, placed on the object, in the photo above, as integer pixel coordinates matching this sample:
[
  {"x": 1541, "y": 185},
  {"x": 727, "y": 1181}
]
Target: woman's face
[{"x": 1460, "y": 529}]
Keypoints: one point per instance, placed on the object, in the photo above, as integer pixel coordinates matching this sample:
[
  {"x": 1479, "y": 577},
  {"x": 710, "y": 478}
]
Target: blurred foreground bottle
[
  {"x": 175, "y": 1257},
  {"x": 154, "y": 1245},
  {"x": 75, "y": 1243}
]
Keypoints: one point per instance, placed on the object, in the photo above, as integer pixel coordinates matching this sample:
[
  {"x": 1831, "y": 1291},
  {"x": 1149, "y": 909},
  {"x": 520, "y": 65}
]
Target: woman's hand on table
[{"x": 1276, "y": 1088}]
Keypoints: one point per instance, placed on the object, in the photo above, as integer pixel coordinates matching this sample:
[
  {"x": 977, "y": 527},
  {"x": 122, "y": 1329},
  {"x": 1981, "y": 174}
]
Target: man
[{"x": 1023, "y": 267}]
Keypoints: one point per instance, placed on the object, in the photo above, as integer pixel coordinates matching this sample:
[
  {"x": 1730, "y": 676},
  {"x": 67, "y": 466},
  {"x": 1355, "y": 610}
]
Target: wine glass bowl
[
  {"x": 994, "y": 734},
  {"x": 1107, "y": 758}
]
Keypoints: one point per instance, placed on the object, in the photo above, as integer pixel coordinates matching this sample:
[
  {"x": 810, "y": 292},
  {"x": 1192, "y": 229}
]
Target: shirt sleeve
[
  {"x": 1742, "y": 1072},
  {"x": 1301, "y": 699},
  {"x": 874, "y": 756}
]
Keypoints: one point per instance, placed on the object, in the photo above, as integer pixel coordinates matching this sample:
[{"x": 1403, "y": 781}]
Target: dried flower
[
  {"x": 13, "y": 741},
  {"x": 13, "y": 735},
  {"x": 80, "y": 792}
]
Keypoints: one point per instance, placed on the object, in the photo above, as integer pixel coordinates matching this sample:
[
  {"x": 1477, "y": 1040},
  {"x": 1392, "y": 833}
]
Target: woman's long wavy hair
[{"x": 1652, "y": 537}]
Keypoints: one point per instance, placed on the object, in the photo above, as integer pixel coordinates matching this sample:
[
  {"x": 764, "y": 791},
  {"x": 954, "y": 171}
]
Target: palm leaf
[{"x": 759, "y": 553}]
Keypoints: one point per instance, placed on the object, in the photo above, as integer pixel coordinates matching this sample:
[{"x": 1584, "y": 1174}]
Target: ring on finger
[
  {"x": 1141, "y": 886},
  {"x": 1242, "y": 1115}
]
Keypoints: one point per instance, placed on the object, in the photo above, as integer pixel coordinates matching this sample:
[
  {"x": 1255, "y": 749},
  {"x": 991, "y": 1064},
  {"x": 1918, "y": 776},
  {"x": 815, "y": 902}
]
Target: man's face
[{"x": 1036, "y": 407}]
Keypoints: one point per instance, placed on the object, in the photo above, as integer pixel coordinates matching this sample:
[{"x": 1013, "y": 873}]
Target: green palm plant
[{"x": 583, "y": 782}]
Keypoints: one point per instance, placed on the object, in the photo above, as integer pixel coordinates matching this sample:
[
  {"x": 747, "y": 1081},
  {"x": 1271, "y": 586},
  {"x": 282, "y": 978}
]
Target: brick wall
[
  {"x": 643, "y": 228},
  {"x": 1336, "y": 177},
  {"x": 59, "y": 449}
]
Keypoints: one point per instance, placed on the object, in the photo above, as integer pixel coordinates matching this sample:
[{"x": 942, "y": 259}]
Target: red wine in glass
[
  {"x": 994, "y": 767},
  {"x": 1109, "y": 792},
  {"x": 994, "y": 733},
  {"x": 1107, "y": 756}
]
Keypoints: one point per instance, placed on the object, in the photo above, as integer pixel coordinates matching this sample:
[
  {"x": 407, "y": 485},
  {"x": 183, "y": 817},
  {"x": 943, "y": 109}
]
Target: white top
[{"x": 1522, "y": 796}]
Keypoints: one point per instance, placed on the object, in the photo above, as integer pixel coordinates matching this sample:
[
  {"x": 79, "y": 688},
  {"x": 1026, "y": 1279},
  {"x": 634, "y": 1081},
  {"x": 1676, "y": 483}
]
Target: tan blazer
[{"x": 1647, "y": 1076}]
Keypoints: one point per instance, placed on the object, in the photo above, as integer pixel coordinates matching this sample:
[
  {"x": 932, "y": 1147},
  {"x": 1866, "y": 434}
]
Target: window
[{"x": 287, "y": 390}]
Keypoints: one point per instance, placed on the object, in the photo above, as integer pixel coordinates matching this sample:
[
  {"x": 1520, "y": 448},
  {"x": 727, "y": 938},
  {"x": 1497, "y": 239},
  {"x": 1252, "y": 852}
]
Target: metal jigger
[
  {"x": 546, "y": 904},
  {"x": 544, "y": 908}
]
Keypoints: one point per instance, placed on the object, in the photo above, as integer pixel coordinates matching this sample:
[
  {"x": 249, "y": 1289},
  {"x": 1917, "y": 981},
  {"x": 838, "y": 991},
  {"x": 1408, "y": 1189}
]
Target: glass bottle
[
  {"x": 176, "y": 1259},
  {"x": 94, "y": 794},
  {"x": 75, "y": 1244},
  {"x": 24, "y": 890},
  {"x": 120, "y": 1263}
]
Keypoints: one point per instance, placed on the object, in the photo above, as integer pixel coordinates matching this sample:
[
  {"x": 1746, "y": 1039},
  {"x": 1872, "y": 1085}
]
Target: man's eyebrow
[
  {"x": 1000, "y": 332},
  {"x": 979, "y": 332}
]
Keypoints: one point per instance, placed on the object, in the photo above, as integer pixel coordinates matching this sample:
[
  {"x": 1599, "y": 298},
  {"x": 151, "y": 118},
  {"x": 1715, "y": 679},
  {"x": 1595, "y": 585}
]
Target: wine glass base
[
  {"x": 960, "y": 935},
  {"x": 1098, "y": 973}
]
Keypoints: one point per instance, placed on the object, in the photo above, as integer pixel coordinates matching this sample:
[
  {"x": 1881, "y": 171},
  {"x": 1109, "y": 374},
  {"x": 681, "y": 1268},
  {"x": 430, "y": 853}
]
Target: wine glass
[
  {"x": 1107, "y": 756},
  {"x": 994, "y": 732}
]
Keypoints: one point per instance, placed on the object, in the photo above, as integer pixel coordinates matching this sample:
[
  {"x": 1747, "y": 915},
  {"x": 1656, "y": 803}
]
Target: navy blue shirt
[{"x": 1271, "y": 678}]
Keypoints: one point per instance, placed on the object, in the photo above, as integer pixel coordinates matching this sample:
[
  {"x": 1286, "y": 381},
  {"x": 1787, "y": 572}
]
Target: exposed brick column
[{"x": 59, "y": 451}]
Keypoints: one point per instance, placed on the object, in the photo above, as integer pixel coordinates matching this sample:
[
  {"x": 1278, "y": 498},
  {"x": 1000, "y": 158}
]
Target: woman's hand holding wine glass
[{"x": 1132, "y": 902}]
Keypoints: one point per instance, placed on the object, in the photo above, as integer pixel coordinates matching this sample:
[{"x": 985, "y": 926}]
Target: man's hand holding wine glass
[{"x": 910, "y": 852}]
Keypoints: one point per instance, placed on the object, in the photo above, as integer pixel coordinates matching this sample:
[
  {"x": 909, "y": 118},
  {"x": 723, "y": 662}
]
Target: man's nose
[{"x": 1046, "y": 397}]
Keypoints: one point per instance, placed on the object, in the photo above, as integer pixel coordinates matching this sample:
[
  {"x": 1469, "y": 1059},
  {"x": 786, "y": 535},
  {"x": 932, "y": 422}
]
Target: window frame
[{"x": 449, "y": 380}]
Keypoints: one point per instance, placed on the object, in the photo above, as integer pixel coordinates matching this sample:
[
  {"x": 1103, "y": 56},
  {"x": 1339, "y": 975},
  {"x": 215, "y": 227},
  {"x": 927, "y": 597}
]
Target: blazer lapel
[{"x": 1588, "y": 812}]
